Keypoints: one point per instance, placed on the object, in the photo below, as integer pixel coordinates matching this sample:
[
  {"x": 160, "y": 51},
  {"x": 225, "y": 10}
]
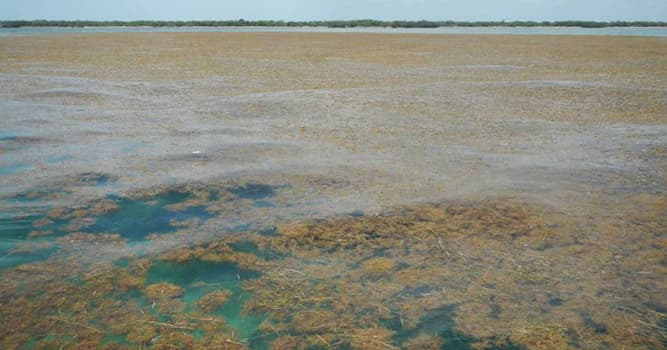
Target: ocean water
[
  {"x": 126, "y": 272},
  {"x": 614, "y": 31},
  {"x": 116, "y": 234}
]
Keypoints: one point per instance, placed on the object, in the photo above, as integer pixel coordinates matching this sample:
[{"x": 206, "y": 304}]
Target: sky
[{"x": 296, "y": 10}]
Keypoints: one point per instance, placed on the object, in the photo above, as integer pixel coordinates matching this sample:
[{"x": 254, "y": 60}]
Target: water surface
[
  {"x": 306, "y": 192},
  {"x": 613, "y": 31}
]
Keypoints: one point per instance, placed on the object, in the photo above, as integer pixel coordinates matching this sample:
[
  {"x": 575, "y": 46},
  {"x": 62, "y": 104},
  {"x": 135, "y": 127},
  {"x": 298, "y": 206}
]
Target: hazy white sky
[{"x": 464, "y": 10}]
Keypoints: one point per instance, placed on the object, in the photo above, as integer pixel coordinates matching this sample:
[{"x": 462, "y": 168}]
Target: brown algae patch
[
  {"x": 163, "y": 291},
  {"x": 369, "y": 122},
  {"x": 213, "y": 300},
  {"x": 498, "y": 273},
  {"x": 378, "y": 267}
]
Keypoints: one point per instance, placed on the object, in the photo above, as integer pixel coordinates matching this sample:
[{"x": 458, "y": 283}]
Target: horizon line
[{"x": 17, "y": 23}]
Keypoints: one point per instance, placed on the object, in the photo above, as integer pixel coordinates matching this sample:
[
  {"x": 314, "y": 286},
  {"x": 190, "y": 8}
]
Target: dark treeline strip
[{"x": 331, "y": 24}]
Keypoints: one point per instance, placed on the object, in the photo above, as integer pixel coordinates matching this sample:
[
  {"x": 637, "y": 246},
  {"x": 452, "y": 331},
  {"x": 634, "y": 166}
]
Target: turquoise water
[
  {"x": 9, "y": 165},
  {"x": 622, "y": 31},
  {"x": 135, "y": 219},
  {"x": 345, "y": 283},
  {"x": 199, "y": 278},
  {"x": 438, "y": 322},
  {"x": 58, "y": 159},
  {"x": 12, "y": 259},
  {"x": 14, "y": 231},
  {"x": 15, "y": 168}
]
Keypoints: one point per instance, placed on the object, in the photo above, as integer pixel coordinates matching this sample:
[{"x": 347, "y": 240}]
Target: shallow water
[
  {"x": 429, "y": 276},
  {"x": 351, "y": 196},
  {"x": 623, "y": 31},
  {"x": 136, "y": 219}
]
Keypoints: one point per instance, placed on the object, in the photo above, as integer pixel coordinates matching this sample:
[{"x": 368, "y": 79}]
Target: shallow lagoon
[
  {"x": 343, "y": 194},
  {"x": 429, "y": 276}
]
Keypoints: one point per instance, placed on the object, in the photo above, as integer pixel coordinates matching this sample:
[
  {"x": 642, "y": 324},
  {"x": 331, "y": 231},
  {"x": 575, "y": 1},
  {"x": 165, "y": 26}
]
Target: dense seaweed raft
[
  {"x": 498, "y": 273},
  {"x": 332, "y": 191}
]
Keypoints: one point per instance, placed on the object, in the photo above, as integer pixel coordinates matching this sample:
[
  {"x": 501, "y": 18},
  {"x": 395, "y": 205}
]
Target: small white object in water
[{"x": 196, "y": 152}]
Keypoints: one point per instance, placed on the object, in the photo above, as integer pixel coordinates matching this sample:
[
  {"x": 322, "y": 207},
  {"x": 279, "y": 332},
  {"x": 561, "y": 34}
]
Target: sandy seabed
[{"x": 312, "y": 190}]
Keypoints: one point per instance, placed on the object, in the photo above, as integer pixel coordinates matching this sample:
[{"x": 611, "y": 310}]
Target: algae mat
[{"x": 343, "y": 191}]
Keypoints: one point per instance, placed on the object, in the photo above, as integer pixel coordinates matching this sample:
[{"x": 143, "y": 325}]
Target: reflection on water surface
[{"x": 332, "y": 191}]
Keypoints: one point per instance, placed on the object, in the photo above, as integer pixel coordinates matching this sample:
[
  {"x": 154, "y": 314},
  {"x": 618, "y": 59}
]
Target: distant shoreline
[
  {"x": 324, "y": 28},
  {"x": 452, "y": 30},
  {"x": 329, "y": 24}
]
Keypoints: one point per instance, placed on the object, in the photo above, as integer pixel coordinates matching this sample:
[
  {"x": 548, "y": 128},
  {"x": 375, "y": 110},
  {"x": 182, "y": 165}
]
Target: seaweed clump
[
  {"x": 542, "y": 337},
  {"x": 371, "y": 338},
  {"x": 378, "y": 267},
  {"x": 494, "y": 274},
  {"x": 214, "y": 300},
  {"x": 289, "y": 342},
  {"x": 161, "y": 291},
  {"x": 423, "y": 342}
]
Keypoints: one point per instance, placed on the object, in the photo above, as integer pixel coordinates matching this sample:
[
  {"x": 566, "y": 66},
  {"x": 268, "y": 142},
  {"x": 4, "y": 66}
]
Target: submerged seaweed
[
  {"x": 136, "y": 219},
  {"x": 451, "y": 275}
]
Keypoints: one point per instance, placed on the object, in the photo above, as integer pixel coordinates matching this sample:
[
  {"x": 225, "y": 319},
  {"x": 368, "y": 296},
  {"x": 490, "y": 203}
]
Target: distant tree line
[{"x": 330, "y": 24}]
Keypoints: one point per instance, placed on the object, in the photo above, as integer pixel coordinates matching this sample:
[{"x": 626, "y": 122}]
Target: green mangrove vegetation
[{"x": 330, "y": 24}]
